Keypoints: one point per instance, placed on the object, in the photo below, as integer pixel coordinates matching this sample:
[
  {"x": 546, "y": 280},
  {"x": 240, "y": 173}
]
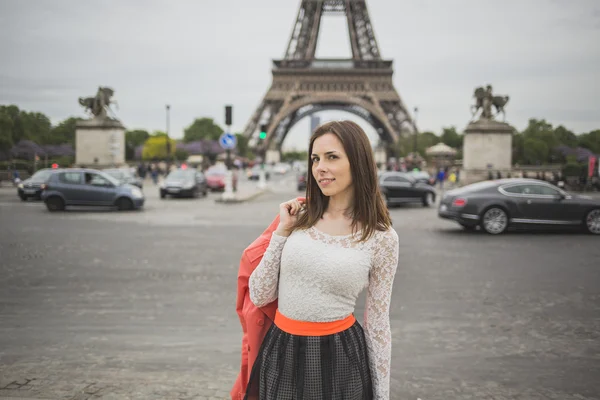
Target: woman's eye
[
  {"x": 315, "y": 159},
  {"x": 332, "y": 157}
]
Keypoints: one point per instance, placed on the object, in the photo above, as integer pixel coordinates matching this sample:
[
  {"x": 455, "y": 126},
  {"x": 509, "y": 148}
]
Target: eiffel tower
[{"x": 303, "y": 84}]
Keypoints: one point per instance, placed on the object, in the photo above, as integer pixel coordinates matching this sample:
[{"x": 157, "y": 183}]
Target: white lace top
[{"x": 318, "y": 277}]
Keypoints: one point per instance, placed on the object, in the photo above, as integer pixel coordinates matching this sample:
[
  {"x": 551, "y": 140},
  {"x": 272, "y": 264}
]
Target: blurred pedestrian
[
  {"x": 324, "y": 251},
  {"x": 441, "y": 175},
  {"x": 154, "y": 174}
]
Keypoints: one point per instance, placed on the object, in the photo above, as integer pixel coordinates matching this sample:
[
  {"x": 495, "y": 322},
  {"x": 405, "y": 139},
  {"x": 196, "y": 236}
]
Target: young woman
[{"x": 324, "y": 252}]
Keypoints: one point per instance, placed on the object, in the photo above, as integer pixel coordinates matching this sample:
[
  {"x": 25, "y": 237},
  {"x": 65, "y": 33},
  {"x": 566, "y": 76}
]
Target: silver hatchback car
[{"x": 89, "y": 187}]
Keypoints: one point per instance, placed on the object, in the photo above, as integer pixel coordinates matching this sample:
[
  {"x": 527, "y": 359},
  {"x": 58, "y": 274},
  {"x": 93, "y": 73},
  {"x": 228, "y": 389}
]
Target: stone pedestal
[
  {"x": 487, "y": 146},
  {"x": 99, "y": 143}
]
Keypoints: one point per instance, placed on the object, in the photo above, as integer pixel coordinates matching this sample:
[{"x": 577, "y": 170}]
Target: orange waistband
[{"x": 303, "y": 328}]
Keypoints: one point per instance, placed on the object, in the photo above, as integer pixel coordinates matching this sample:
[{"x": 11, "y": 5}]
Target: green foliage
[
  {"x": 591, "y": 140},
  {"x": 242, "y": 145},
  {"x": 535, "y": 151},
  {"x": 202, "y": 128},
  {"x": 181, "y": 155},
  {"x": 452, "y": 138},
  {"x": 6, "y": 126},
  {"x": 64, "y": 132},
  {"x": 136, "y": 137},
  {"x": 573, "y": 168},
  {"x": 294, "y": 156},
  {"x": 156, "y": 148}
]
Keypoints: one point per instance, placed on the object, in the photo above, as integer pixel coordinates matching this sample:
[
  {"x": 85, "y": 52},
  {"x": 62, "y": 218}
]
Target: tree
[
  {"x": 452, "y": 138},
  {"x": 64, "y": 132},
  {"x": 565, "y": 136},
  {"x": 242, "y": 145},
  {"x": 591, "y": 141},
  {"x": 136, "y": 137},
  {"x": 202, "y": 128},
  {"x": 6, "y": 126},
  {"x": 294, "y": 156},
  {"x": 535, "y": 151},
  {"x": 156, "y": 148}
]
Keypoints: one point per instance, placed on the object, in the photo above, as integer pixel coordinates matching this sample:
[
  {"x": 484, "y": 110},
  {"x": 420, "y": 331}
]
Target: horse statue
[
  {"x": 484, "y": 100},
  {"x": 99, "y": 105}
]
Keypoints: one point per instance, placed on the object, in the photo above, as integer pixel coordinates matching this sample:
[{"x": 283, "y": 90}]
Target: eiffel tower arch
[{"x": 303, "y": 85}]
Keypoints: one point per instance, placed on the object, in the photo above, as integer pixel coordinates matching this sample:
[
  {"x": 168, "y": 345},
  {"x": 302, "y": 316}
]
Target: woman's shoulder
[{"x": 388, "y": 235}]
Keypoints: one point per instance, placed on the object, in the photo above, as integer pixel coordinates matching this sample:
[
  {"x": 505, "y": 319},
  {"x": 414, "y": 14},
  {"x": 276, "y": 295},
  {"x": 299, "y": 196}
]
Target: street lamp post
[
  {"x": 416, "y": 131},
  {"x": 168, "y": 144}
]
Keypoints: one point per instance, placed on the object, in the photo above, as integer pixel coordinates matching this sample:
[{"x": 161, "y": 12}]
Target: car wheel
[
  {"x": 163, "y": 195},
  {"x": 428, "y": 199},
  {"x": 592, "y": 221},
  {"x": 55, "y": 203},
  {"x": 23, "y": 197},
  {"x": 124, "y": 204},
  {"x": 494, "y": 220}
]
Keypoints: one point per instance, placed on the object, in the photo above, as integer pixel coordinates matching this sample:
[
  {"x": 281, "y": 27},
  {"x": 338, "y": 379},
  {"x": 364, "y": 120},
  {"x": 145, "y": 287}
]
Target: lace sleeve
[
  {"x": 264, "y": 280},
  {"x": 377, "y": 316}
]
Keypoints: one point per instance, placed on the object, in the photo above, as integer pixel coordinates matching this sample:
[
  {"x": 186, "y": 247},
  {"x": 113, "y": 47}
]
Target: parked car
[
  {"x": 125, "y": 175},
  {"x": 254, "y": 173},
  {"x": 302, "y": 181},
  {"x": 281, "y": 168},
  {"x": 422, "y": 177},
  {"x": 32, "y": 187},
  {"x": 215, "y": 179},
  {"x": 500, "y": 204},
  {"x": 184, "y": 182},
  {"x": 88, "y": 187},
  {"x": 402, "y": 188}
]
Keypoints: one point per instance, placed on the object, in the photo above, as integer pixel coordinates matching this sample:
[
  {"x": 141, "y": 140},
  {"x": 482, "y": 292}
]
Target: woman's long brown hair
[{"x": 369, "y": 211}]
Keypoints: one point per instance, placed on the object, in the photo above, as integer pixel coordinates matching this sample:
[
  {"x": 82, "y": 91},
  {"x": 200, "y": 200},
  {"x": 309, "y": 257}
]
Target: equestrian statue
[
  {"x": 99, "y": 106},
  {"x": 484, "y": 100}
]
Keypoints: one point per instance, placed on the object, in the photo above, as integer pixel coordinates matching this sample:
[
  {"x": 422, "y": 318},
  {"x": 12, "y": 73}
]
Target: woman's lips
[{"x": 326, "y": 182}]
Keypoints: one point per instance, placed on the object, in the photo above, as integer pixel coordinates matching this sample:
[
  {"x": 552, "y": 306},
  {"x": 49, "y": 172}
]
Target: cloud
[{"x": 199, "y": 56}]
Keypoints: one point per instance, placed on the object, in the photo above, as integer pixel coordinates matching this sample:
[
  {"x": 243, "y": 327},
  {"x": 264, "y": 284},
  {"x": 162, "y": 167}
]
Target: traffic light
[
  {"x": 228, "y": 115},
  {"x": 263, "y": 132}
]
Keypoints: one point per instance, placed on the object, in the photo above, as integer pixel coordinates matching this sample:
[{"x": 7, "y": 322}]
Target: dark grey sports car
[
  {"x": 401, "y": 188},
  {"x": 503, "y": 203}
]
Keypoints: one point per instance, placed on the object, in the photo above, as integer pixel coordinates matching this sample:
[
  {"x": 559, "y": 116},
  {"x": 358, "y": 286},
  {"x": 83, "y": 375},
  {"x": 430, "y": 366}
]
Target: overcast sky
[{"x": 198, "y": 55}]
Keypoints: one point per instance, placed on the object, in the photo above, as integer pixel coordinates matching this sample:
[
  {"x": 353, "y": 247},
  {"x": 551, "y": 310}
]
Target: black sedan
[
  {"x": 182, "y": 182},
  {"x": 500, "y": 204},
  {"x": 402, "y": 188},
  {"x": 32, "y": 187}
]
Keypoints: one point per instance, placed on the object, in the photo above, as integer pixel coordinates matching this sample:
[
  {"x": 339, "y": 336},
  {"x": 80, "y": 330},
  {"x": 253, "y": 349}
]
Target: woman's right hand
[{"x": 288, "y": 215}]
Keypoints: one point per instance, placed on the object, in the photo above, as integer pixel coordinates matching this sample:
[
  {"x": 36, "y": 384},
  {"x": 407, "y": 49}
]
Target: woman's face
[{"x": 330, "y": 165}]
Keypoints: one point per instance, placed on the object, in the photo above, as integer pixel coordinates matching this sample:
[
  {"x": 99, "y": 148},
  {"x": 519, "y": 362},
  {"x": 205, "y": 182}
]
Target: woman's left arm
[{"x": 377, "y": 312}]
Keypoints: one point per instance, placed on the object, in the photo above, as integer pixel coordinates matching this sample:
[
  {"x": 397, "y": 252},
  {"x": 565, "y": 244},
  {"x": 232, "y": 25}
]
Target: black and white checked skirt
[{"x": 291, "y": 367}]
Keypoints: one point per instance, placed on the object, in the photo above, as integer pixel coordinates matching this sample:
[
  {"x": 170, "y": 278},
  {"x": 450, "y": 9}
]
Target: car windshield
[
  {"x": 109, "y": 178},
  {"x": 420, "y": 174},
  {"x": 42, "y": 175},
  {"x": 478, "y": 186},
  {"x": 215, "y": 172},
  {"x": 180, "y": 174},
  {"x": 115, "y": 173}
]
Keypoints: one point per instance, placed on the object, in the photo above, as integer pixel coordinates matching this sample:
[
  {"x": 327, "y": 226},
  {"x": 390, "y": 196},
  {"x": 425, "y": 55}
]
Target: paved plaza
[{"x": 97, "y": 304}]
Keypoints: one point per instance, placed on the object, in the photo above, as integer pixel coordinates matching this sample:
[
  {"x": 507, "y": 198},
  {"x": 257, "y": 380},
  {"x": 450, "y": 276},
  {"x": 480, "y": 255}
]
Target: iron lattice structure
[{"x": 303, "y": 84}]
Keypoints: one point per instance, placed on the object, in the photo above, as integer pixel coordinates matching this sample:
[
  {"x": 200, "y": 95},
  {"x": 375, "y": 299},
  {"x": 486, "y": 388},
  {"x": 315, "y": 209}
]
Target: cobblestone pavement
[{"x": 141, "y": 305}]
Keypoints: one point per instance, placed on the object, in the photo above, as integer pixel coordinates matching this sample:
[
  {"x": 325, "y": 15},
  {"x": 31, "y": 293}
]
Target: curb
[{"x": 243, "y": 199}]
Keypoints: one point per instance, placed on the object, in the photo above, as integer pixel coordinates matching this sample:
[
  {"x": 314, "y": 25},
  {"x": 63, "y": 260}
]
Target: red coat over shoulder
[{"x": 255, "y": 321}]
